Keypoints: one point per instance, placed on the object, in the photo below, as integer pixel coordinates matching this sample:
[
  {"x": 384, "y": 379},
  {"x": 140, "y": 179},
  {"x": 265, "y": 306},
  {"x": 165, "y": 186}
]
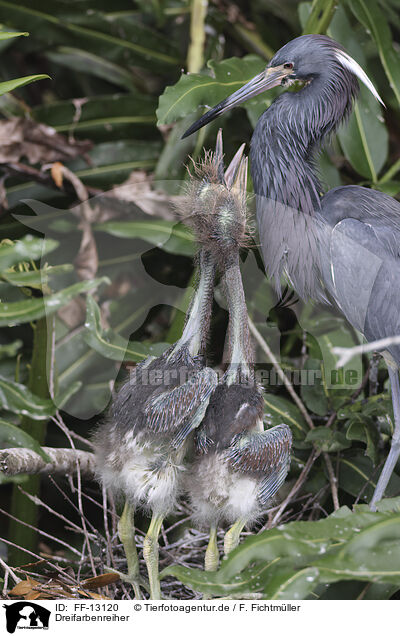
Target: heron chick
[
  {"x": 239, "y": 466},
  {"x": 141, "y": 448}
]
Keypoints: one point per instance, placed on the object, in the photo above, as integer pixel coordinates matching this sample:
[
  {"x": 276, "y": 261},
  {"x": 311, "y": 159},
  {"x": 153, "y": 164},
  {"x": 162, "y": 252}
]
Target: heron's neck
[
  {"x": 194, "y": 335},
  {"x": 288, "y": 136},
  {"x": 240, "y": 367}
]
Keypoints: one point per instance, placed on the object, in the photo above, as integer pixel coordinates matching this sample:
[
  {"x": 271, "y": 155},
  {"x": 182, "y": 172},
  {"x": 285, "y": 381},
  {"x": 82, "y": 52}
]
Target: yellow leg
[
  {"x": 211, "y": 560},
  {"x": 150, "y": 553},
  {"x": 232, "y": 537},
  {"x": 126, "y": 531}
]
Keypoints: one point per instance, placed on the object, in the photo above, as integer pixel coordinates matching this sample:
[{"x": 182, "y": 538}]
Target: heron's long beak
[{"x": 262, "y": 82}]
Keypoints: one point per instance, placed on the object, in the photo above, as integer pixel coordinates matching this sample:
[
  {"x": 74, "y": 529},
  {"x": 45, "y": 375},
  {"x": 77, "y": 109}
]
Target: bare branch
[
  {"x": 347, "y": 353},
  {"x": 16, "y": 461}
]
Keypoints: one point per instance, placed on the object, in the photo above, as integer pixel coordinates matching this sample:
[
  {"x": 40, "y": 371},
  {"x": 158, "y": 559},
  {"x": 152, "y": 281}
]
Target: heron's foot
[
  {"x": 150, "y": 554},
  {"x": 394, "y": 452},
  {"x": 211, "y": 560},
  {"x": 136, "y": 582},
  {"x": 232, "y": 537},
  {"x": 126, "y": 532}
]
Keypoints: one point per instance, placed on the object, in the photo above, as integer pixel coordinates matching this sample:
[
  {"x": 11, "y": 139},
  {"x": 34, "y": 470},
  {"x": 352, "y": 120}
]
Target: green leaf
[
  {"x": 358, "y": 477},
  {"x": 18, "y": 399},
  {"x": 11, "y": 85},
  {"x": 12, "y": 436},
  {"x": 327, "y": 440},
  {"x": 292, "y": 585},
  {"x": 6, "y": 35},
  {"x": 83, "y": 61},
  {"x": 23, "y": 311},
  {"x": 372, "y": 555},
  {"x": 374, "y": 20},
  {"x": 110, "y": 344},
  {"x": 36, "y": 278},
  {"x": 278, "y": 410},
  {"x": 121, "y": 40},
  {"x": 171, "y": 237},
  {"x": 364, "y": 138},
  {"x": 26, "y": 249},
  {"x": 364, "y": 430},
  {"x": 194, "y": 90},
  {"x": 315, "y": 395}
]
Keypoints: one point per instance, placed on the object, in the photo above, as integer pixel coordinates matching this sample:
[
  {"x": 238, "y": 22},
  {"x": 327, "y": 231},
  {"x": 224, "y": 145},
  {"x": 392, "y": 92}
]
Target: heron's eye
[{"x": 288, "y": 65}]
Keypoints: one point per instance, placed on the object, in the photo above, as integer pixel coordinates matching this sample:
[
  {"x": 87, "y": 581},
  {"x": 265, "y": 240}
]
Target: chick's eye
[{"x": 288, "y": 65}]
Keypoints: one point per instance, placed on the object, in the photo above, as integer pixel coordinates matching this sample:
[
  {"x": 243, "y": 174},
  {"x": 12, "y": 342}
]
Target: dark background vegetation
[{"x": 117, "y": 273}]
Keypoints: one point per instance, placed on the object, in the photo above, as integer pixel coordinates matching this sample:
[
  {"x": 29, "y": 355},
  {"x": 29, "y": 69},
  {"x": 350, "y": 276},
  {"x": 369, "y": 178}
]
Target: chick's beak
[{"x": 270, "y": 77}]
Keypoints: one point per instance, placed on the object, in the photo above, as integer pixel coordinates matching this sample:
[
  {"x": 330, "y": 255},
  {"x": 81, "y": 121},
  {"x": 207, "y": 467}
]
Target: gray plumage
[
  {"x": 341, "y": 248},
  {"x": 141, "y": 447}
]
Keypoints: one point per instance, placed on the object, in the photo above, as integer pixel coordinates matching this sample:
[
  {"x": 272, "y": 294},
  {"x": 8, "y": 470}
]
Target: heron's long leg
[
  {"x": 211, "y": 560},
  {"x": 150, "y": 553},
  {"x": 126, "y": 531},
  {"x": 232, "y": 537},
  {"x": 394, "y": 452}
]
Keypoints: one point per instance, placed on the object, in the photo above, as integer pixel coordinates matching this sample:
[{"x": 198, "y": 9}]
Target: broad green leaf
[
  {"x": 364, "y": 137},
  {"x": 291, "y": 584},
  {"x": 18, "y": 399},
  {"x": 11, "y": 85},
  {"x": 27, "y": 249},
  {"x": 196, "y": 89},
  {"x": 83, "y": 61},
  {"x": 35, "y": 278},
  {"x": 171, "y": 237},
  {"x": 6, "y": 35},
  {"x": 314, "y": 394},
  {"x": 99, "y": 113},
  {"x": 327, "y": 440},
  {"x": 121, "y": 41},
  {"x": 17, "y": 313},
  {"x": 359, "y": 477},
  {"x": 372, "y": 555},
  {"x": 110, "y": 344},
  {"x": 364, "y": 430},
  {"x": 371, "y": 15},
  {"x": 278, "y": 410},
  {"x": 12, "y": 436}
]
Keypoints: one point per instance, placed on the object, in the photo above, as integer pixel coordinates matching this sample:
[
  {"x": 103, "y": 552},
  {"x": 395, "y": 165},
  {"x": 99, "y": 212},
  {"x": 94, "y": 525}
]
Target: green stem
[
  {"x": 22, "y": 507},
  {"x": 322, "y": 12},
  {"x": 197, "y": 36}
]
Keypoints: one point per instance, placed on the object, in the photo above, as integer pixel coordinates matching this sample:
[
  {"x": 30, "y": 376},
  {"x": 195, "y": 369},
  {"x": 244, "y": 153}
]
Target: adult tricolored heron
[
  {"x": 343, "y": 247},
  {"x": 141, "y": 449},
  {"x": 239, "y": 465}
]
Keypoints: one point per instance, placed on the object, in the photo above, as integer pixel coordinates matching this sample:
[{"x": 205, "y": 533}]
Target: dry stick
[
  {"x": 9, "y": 572},
  {"x": 39, "y": 558},
  {"x": 289, "y": 386},
  {"x": 41, "y": 532},
  {"x": 65, "y": 430},
  {"x": 36, "y": 500},
  {"x": 300, "y": 481},
  {"x": 281, "y": 374}
]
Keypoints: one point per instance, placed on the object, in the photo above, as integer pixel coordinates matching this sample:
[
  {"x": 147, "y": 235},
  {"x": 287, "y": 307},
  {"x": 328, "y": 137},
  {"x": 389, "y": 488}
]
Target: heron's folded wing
[
  {"x": 268, "y": 453},
  {"x": 180, "y": 407}
]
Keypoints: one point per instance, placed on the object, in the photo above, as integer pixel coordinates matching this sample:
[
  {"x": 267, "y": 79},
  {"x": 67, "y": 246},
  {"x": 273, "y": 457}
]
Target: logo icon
[{"x": 26, "y": 615}]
